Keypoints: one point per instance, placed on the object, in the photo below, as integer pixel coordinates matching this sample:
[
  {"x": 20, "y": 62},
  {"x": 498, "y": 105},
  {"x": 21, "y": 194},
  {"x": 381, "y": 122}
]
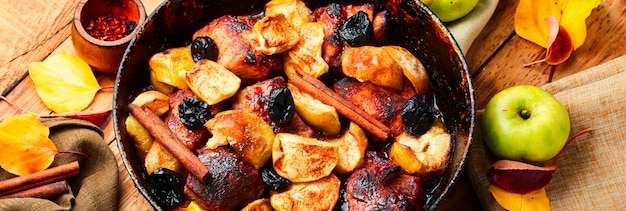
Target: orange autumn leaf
[
  {"x": 557, "y": 25},
  {"x": 64, "y": 82},
  {"x": 535, "y": 200},
  {"x": 25, "y": 146}
]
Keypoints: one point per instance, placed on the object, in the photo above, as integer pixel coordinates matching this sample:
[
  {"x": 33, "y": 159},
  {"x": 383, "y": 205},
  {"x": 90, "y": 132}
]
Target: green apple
[
  {"x": 450, "y": 10},
  {"x": 525, "y": 123},
  {"x": 427, "y": 2}
]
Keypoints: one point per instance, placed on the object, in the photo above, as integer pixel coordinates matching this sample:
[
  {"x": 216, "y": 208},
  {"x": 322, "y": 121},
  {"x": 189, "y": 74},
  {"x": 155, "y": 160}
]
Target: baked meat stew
[{"x": 292, "y": 105}]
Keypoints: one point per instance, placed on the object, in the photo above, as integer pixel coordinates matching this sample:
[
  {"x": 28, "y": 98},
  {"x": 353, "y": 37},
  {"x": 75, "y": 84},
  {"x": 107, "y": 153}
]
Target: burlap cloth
[
  {"x": 95, "y": 188},
  {"x": 591, "y": 173}
]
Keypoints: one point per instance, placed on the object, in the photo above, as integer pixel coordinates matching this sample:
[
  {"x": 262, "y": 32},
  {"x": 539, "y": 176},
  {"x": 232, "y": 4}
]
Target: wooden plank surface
[
  {"x": 30, "y": 31},
  {"x": 33, "y": 30},
  {"x": 495, "y": 68},
  {"x": 21, "y": 87}
]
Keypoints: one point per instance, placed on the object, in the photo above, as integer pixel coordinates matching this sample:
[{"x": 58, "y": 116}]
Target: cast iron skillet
[{"x": 414, "y": 28}]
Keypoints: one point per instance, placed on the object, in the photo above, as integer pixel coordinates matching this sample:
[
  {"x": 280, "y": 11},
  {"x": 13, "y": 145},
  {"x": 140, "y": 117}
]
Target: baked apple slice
[
  {"x": 167, "y": 66},
  {"x": 245, "y": 132},
  {"x": 301, "y": 159},
  {"x": 352, "y": 145},
  {"x": 372, "y": 64},
  {"x": 426, "y": 155},
  {"x": 321, "y": 194}
]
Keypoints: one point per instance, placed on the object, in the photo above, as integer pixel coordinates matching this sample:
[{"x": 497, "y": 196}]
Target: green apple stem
[
  {"x": 524, "y": 114},
  {"x": 553, "y": 162}
]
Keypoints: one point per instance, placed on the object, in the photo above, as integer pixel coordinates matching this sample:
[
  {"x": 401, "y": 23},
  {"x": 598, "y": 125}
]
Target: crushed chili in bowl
[{"x": 110, "y": 27}]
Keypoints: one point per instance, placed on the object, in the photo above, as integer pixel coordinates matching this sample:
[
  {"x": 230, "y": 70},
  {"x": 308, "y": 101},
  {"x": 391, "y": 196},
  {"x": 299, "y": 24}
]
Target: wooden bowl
[
  {"x": 416, "y": 29},
  {"x": 104, "y": 56}
]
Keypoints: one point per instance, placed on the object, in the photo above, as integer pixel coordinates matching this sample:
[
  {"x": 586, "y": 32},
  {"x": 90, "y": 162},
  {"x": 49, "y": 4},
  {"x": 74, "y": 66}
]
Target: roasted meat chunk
[
  {"x": 384, "y": 104},
  {"x": 382, "y": 185},
  {"x": 255, "y": 99},
  {"x": 332, "y": 17},
  {"x": 235, "y": 40},
  {"x": 194, "y": 137},
  {"x": 233, "y": 185}
]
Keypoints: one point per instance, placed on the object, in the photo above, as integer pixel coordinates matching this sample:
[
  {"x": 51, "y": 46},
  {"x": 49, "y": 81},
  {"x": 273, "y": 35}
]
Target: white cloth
[{"x": 466, "y": 29}]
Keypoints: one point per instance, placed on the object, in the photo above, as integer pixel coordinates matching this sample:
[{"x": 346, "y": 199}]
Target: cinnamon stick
[
  {"x": 44, "y": 177},
  {"x": 164, "y": 135},
  {"x": 45, "y": 191},
  {"x": 319, "y": 91}
]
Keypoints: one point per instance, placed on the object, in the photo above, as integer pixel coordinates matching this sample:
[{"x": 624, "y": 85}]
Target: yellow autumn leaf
[
  {"x": 573, "y": 19},
  {"x": 532, "y": 201},
  {"x": 530, "y": 19},
  {"x": 25, "y": 146},
  {"x": 64, "y": 82}
]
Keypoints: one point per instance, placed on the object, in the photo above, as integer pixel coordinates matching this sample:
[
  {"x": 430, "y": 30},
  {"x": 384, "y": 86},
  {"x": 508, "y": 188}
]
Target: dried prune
[
  {"x": 417, "y": 115},
  {"x": 204, "y": 48},
  {"x": 193, "y": 112},
  {"x": 281, "y": 106},
  {"x": 342, "y": 201},
  {"x": 166, "y": 186},
  {"x": 357, "y": 30},
  {"x": 272, "y": 180}
]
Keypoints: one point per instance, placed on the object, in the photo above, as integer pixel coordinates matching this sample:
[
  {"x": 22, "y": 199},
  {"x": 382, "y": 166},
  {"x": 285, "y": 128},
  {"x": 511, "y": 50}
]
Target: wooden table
[{"x": 33, "y": 30}]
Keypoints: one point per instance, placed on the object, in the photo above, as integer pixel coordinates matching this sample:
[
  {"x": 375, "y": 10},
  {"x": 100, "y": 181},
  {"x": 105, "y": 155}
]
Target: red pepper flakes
[{"x": 110, "y": 27}]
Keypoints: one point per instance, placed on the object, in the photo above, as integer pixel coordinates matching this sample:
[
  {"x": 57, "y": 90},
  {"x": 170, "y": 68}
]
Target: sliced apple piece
[
  {"x": 159, "y": 157},
  {"x": 259, "y": 205},
  {"x": 139, "y": 135},
  {"x": 168, "y": 65},
  {"x": 275, "y": 35},
  {"x": 314, "y": 113},
  {"x": 307, "y": 54},
  {"x": 295, "y": 11},
  {"x": 155, "y": 100},
  {"x": 160, "y": 86},
  {"x": 301, "y": 159},
  {"x": 427, "y": 154},
  {"x": 412, "y": 68},
  {"x": 193, "y": 206},
  {"x": 321, "y": 194},
  {"x": 159, "y": 103},
  {"x": 212, "y": 82},
  {"x": 352, "y": 145},
  {"x": 374, "y": 65},
  {"x": 247, "y": 133}
]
